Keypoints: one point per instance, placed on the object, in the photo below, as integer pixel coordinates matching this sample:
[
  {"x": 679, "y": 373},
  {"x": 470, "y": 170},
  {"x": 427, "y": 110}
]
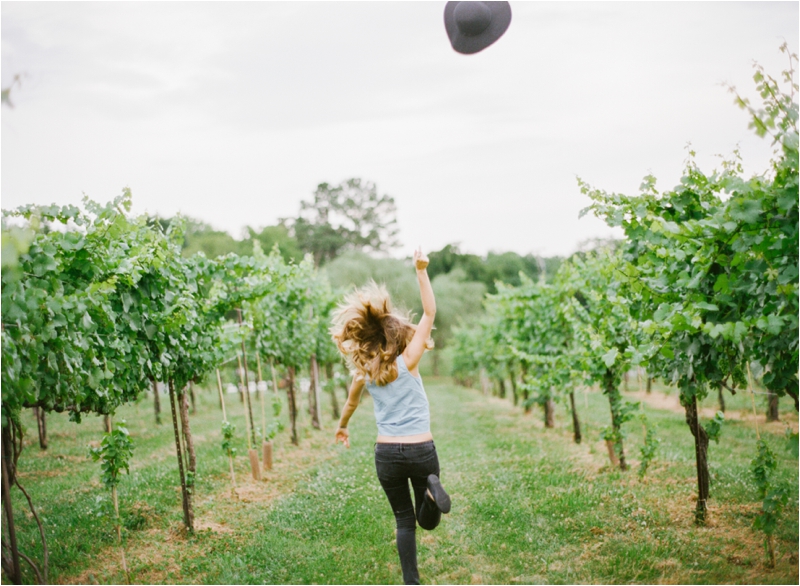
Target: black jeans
[{"x": 396, "y": 464}]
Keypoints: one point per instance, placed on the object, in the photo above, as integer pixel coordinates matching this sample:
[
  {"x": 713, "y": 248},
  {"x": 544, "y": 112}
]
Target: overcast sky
[{"x": 234, "y": 112}]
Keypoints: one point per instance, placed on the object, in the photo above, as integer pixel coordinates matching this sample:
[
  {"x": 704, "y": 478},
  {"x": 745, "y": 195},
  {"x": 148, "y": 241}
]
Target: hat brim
[{"x": 501, "y": 18}]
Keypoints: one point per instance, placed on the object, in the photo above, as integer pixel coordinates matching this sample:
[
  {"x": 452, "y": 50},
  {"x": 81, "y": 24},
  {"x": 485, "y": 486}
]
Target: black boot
[{"x": 440, "y": 496}]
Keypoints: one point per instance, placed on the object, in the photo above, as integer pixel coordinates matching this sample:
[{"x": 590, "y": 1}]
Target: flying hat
[{"x": 473, "y": 26}]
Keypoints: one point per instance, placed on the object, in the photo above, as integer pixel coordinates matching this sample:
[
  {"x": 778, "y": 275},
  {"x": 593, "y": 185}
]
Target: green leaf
[
  {"x": 774, "y": 324},
  {"x": 714, "y": 426},
  {"x": 792, "y": 443},
  {"x": 610, "y": 357},
  {"x": 745, "y": 210},
  {"x": 730, "y": 226}
]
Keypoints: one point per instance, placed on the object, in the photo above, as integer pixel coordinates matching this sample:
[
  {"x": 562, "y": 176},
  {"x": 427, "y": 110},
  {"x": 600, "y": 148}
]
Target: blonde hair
[{"x": 371, "y": 333}]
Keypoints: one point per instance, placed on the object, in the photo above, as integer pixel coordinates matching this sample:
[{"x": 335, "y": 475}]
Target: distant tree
[
  {"x": 443, "y": 261},
  {"x": 474, "y": 268},
  {"x": 348, "y": 216},
  {"x": 507, "y": 266},
  {"x": 450, "y": 257},
  {"x": 279, "y": 234},
  {"x": 213, "y": 243},
  {"x": 496, "y": 266}
]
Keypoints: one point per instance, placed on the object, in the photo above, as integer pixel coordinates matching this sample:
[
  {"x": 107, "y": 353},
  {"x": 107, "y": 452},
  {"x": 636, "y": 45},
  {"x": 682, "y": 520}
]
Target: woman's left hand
[{"x": 342, "y": 435}]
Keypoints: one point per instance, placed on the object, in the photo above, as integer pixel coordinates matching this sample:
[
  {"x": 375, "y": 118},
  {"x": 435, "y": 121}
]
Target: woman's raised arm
[{"x": 413, "y": 352}]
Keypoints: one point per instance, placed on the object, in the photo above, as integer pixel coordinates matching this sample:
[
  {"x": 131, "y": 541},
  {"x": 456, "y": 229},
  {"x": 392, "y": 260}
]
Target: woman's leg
[
  {"x": 395, "y": 484},
  {"x": 428, "y": 514}
]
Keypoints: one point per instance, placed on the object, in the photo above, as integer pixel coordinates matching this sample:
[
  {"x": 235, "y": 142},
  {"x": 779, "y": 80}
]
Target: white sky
[{"x": 234, "y": 112}]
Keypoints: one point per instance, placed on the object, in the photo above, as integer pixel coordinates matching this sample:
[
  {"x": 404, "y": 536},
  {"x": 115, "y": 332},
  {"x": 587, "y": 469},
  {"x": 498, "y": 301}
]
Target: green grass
[{"x": 529, "y": 506}]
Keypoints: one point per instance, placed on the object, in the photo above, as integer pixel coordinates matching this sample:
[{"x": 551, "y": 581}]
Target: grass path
[{"x": 529, "y": 506}]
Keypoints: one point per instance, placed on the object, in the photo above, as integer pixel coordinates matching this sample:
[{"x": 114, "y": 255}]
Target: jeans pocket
[
  {"x": 427, "y": 453},
  {"x": 384, "y": 456}
]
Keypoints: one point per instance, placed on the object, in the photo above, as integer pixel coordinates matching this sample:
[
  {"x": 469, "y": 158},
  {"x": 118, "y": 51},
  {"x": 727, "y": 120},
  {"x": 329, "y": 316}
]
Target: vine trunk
[{"x": 701, "y": 457}]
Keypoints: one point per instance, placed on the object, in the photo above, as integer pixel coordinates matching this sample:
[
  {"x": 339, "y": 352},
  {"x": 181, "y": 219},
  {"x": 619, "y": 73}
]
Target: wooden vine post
[
  {"x": 276, "y": 396},
  {"x": 549, "y": 413},
  {"x": 274, "y": 378},
  {"x": 313, "y": 392},
  {"x": 266, "y": 445},
  {"x": 701, "y": 454},
  {"x": 42, "y": 426},
  {"x": 188, "y": 443},
  {"x": 156, "y": 402},
  {"x": 251, "y": 453},
  {"x": 525, "y": 390},
  {"x": 225, "y": 420},
  {"x": 245, "y": 382},
  {"x": 16, "y": 570},
  {"x": 512, "y": 375},
  {"x": 188, "y": 512},
  {"x": 118, "y": 526},
  {"x": 772, "y": 408},
  {"x": 292, "y": 405},
  {"x": 576, "y": 424}
]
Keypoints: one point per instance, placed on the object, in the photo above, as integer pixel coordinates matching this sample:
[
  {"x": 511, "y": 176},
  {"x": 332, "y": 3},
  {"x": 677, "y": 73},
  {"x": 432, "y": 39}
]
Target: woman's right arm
[
  {"x": 416, "y": 348},
  {"x": 350, "y": 406}
]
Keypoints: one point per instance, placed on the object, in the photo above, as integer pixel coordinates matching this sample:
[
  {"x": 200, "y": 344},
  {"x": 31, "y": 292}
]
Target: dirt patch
[
  {"x": 256, "y": 492},
  {"x": 658, "y": 400},
  {"x": 41, "y": 473},
  {"x": 64, "y": 457},
  {"x": 206, "y": 525},
  {"x": 590, "y": 458},
  {"x": 779, "y": 427}
]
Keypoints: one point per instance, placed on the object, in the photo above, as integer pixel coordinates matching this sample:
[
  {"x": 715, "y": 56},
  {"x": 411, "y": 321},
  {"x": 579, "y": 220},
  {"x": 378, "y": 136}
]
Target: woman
[{"x": 384, "y": 350}]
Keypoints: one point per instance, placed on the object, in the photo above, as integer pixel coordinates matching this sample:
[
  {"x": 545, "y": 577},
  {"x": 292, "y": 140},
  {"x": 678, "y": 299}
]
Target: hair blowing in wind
[{"x": 371, "y": 333}]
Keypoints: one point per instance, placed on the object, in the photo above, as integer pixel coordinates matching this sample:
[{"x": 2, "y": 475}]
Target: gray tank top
[{"x": 401, "y": 407}]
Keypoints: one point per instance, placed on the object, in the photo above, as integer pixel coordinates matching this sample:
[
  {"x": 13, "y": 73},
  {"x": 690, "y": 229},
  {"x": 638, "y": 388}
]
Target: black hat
[{"x": 473, "y": 26}]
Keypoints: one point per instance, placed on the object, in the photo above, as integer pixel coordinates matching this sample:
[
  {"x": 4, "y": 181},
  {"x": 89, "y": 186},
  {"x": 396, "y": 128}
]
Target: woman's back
[{"x": 401, "y": 406}]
